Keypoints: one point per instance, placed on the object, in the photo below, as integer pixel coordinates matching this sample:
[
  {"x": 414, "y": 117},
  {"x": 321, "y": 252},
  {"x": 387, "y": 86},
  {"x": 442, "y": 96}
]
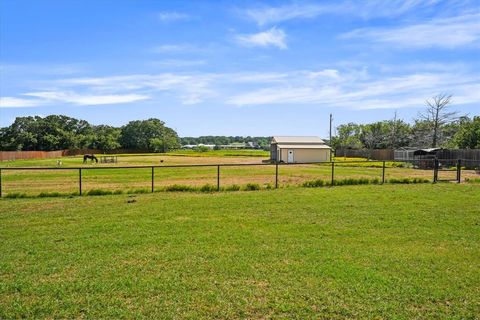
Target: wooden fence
[{"x": 19, "y": 155}]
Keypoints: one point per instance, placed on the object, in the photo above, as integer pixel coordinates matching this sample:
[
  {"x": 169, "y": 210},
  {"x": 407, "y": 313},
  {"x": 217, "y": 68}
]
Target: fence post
[
  {"x": 218, "y": 178},
  {"x": 0, "y": 182},
  {"x": 435, "y": 170},
  {"x": 333, "y": 174},
  {"x": 276, "y": 175},
  {"x": 459, "y": 170},
  {"x": 383, "y": 173},
  {"x": 153, "y": 175},
  {"x": 80, "y": 180}
]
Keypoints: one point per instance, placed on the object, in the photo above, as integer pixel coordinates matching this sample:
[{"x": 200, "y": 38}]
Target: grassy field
[
  {"x": 383, "y": 252},
  {"x": 35, "y": 182}
]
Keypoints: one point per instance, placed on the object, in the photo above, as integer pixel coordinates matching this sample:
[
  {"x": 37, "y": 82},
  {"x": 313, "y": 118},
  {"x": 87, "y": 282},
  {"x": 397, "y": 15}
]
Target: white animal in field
[{"x": 59, "y": 162}]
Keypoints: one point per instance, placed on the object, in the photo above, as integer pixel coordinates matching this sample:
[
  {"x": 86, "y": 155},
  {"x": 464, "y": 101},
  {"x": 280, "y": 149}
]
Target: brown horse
[{"x": 89, "y": 156}]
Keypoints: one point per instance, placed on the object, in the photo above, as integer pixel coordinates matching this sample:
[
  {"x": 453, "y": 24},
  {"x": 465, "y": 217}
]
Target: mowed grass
[
  {"x": 110, "y": 177},
  {"x": 367, "y": 252}
]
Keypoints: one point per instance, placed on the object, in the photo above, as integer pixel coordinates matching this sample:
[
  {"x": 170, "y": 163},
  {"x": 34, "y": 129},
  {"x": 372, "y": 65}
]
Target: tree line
[
  {"x": 57, "y": 132},
  {"x": 436, "y": 126}
]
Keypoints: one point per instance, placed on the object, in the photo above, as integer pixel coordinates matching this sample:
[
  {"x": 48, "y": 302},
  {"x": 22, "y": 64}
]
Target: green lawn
[
  {"x": 66, "y": 181},
  {"x": 403, "y": 252}
]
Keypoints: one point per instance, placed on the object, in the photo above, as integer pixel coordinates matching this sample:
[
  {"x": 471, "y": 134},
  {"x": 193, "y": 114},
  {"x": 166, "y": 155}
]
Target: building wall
[
  {"x": 273, "y": 152},
  {"x": 306, "y": 155}
]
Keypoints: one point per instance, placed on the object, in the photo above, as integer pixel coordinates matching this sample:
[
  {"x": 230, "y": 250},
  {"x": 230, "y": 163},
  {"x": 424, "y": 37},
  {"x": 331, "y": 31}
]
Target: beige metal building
[{"x": 292, "y": 149}]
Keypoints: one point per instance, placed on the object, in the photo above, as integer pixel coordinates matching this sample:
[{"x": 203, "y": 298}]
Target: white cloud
[
  {"x": 344, "y": 87},
  {"x": 171, "y": 16},
  {"x": 351, "y": 92},
  {"x": 12, "y": 102},
  {"x": 266, "y": 15},
  {"x": 85, "y": 99},
  {"x": 443, "y": 33},
  {"x": 177, "y": 63},
  {"x": 273, "y": 37},
  {"x": 271, "y": 15},
  {"x": 169, "y": 48}
]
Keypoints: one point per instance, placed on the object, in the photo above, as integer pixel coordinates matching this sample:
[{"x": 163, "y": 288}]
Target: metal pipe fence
[{"x": 435, "y": 165}]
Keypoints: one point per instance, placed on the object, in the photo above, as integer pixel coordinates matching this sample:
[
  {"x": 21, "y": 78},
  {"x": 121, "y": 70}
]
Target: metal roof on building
[
  {"x": 302, "y": 146},
  {"x": 297, "y": 139}
]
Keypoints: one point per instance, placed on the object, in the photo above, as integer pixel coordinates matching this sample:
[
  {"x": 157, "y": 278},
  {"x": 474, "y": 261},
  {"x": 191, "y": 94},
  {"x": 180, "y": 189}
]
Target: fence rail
[{"x": 436, "y": 168}]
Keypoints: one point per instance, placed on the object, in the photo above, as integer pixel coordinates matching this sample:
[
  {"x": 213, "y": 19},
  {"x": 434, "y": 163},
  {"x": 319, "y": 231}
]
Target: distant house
[{"x": 291, "y": 149}]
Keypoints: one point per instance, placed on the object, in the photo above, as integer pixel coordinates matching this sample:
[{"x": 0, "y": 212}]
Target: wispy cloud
[
  {"x": 329, "y": 87},
  {"x": 187, "y": 88},
  {"x": 172, "y": 16},
  {"x": 352, "y": 92},
  {"x": 271, "y": 38},
  {"x": 85, "y": 99},
  {"x": 177, "y": 63},
  {"x": 265, "y": 15},
  {"x": 169, "y": 48},
  {"x": 444, "y": 33},
  {"x": 271, "y": 15},
  {"x": 13, "y": 102}
]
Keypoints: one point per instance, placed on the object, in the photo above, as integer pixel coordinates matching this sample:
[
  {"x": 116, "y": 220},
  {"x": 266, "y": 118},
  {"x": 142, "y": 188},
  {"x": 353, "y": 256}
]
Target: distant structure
[
  {"x": 193, "y": 146},
  {"x": 233, "y": 145},
  {"x": 297, "y": 149}
]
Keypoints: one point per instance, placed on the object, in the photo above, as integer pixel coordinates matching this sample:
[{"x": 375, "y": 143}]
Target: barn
[{"x": 295, "y": 149}]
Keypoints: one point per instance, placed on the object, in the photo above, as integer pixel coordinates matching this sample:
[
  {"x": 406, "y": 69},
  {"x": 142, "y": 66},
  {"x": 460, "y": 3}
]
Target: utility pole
[{"x": 330, "y": 136}]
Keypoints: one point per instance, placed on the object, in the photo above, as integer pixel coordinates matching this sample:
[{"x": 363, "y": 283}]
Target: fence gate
[{"x": 446, "y": 172}]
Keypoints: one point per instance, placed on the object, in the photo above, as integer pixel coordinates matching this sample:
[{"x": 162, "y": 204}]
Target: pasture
[
  {"x": 383, "y": 252},
  {"x": 116, "y": 179}
]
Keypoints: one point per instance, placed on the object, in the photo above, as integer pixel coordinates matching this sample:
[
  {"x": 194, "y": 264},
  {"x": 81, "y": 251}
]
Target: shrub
[
  {"x": 252, "y": 187},
  {"x": 16, "y": 195},
  {"x": 179, "y": 187},
  {"x": 50, "y": 194},
  {"x": 408, "y": 180},
  {"x": 201, "y": 149},
  {"x": 142, "y": 190},
  {"x": 314, "y": 183},
  {"x": 208, "y": 188},
  {"x": 233, "y": 187},
  {"x": 98, "y": 192}
]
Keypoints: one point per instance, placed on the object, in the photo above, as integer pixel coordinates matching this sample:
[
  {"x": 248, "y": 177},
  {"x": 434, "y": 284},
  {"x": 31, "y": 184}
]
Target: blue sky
[{"x": 237, "y": 68}]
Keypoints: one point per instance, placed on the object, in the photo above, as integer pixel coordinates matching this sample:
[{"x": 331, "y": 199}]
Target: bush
[
  {"x": 233, "y": 187},
  {"x": 179, "y": 187},
  {"x": 314, "y": 183},
  {"x": 201, "y": 149},
  {"x": 341, "y": 182},
  {"x": 142, "y": 190},
  {"x": 252, "y": 187},
  {"x": 208, "y": 188},
  {"x": 98, "y": 192},
  {"x": 408, "y": 180},
  {"x": 14, "y": 195},
  {"x": 50, "y": 194}
]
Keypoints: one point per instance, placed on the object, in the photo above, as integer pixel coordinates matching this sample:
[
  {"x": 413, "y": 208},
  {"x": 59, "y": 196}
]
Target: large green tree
[
  {"x": 106, "y": 138},
  {"x": 148, "y": 135},
  {"x": 53, "y": 132},
  {"x": 468, "y": 134}
]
